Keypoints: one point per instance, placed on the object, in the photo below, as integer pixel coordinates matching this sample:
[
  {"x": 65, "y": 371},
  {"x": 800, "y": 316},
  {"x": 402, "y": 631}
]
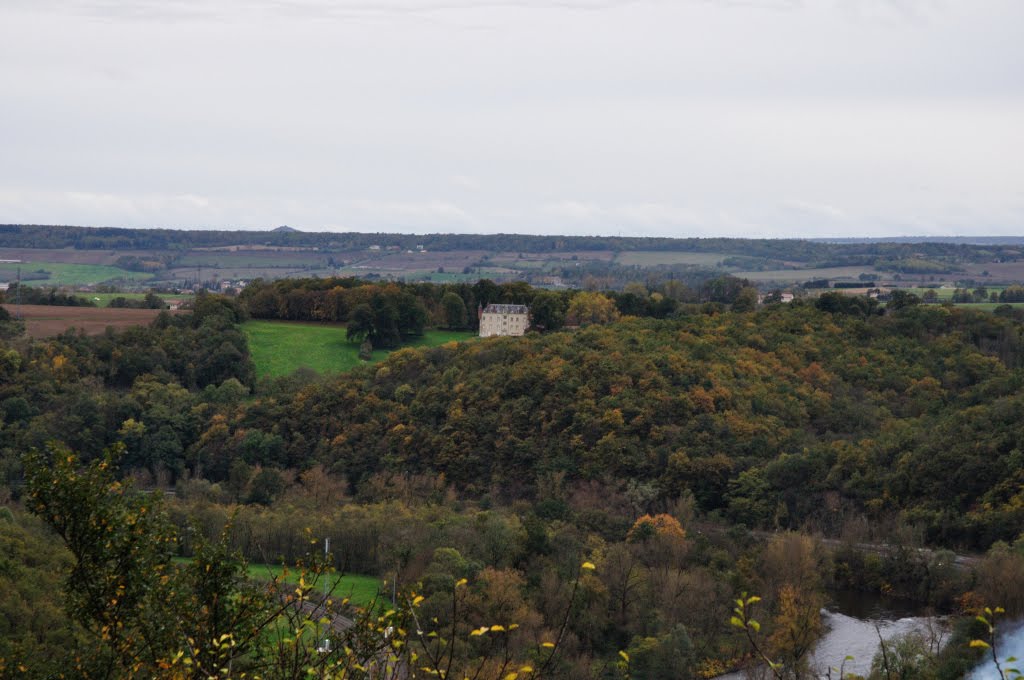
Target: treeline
[
  {"x": 147, "y": 386},
  {"x": 150, "y": 301},
  {"x": 31, "y": 295},
  {"x": 391, "y": 312},
  {"x": 812, "y": 252}
]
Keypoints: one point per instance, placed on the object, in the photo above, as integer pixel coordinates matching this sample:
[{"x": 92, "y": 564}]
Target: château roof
[{"x": 507, "y": 309}]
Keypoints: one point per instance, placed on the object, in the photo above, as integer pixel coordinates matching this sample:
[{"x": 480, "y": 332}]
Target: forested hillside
[
  {"x": 787, "y": 417},
  {"x": 776, "y": 419},
  {"x": 509, "y": 461}
]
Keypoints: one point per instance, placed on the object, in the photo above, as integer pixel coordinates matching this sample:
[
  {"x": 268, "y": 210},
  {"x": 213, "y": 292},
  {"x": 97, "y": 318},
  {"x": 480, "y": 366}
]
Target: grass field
[
  {"x": 987, "y": 306},
  {"x": 646, "y": 258},
  {"x": 105, "y": 298},
  {"x": 280, "y": 347},
  {"x": 442, "y": 277},
  {"x": 848, "y": 273},
  {"x": 65, "y": 274},
  {"x": 947, "y": 293},
  {"x": 360, "y": 589}
]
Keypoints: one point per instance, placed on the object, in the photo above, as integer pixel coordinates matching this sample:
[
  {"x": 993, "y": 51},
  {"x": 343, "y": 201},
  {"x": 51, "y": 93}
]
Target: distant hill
[
  {"x": 959, "y": 240},
  {"x": 284, "y": 229}
]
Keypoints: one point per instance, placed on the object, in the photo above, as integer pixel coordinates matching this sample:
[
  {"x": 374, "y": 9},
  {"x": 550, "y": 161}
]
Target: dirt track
[{"x": 43, "y": 321}]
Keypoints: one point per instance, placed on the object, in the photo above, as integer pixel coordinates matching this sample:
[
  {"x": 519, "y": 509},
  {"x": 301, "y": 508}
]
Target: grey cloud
[{"x": 675, "y": 117}]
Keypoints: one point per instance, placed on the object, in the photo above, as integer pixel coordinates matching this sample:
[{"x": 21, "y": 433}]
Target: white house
[{"x": 504, "y": 320}]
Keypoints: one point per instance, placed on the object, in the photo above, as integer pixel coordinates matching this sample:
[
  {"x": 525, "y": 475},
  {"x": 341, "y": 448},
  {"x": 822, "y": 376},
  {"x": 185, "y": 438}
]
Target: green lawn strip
[
  {"x": 361, "y": 589},
  {"x": 947, "y": 293},
  {"x": 278, "y": 347},
  {"x": 105, "y": 298},
  {"x": 987, "y": 306},
  {"x": 65, "y": 274},
  {"x": 794, "y": 275}
]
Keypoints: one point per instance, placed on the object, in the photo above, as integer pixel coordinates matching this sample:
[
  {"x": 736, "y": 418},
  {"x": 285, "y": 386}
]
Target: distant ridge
[
  {"x": 956, "y": 240},
  {"x": 284, "y": 228}
]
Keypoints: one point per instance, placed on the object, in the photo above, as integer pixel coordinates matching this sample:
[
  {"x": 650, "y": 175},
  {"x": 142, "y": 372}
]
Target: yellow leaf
[
  {"x": 460, "y": 582},
  {"x": 526, "y": 669},
  {"x": 624, "y": 656},
  {"x": 979, "y": 643},
  {"x": 589, "y": 566},
  {"x": 415, "y": 602},
  {"x": 498, "y": 628},
  {"x": 549, "y": 645}
]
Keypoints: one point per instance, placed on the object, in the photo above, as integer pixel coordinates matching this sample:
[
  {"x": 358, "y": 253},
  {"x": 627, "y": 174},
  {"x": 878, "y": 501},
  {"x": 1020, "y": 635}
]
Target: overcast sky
[{"x": 641, "y": 117}]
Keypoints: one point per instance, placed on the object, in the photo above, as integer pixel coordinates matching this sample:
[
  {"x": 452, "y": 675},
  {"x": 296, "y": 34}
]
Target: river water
[
  {"x": 1009, "y": 643},
  {"x": 853, "y": 622}
]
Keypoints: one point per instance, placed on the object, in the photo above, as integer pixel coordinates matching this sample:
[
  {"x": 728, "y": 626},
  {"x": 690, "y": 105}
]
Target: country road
[{"x": 962, "y": 561}]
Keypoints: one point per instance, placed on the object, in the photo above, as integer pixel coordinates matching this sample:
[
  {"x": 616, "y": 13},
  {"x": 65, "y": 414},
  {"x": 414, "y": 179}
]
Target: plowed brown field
[{"x": 43, "y": 321}]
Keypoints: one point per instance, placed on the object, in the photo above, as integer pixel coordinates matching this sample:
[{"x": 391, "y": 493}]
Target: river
[
  {"x": 1009, "y": 643},
  {"x": 853, "y": 622}
]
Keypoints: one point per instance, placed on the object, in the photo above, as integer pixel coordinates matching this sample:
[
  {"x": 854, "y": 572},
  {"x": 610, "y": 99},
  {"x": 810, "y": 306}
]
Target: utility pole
[{"x": 325, "y": 645}]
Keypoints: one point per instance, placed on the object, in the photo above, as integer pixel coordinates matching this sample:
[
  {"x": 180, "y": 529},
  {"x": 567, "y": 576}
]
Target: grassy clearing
[
  {"x": 947, "y": 293},
  {"x": 279, "y": 347},
  {"x": 987, "y": 306},
  {"x": 646, "y": 258},
  {"x": 846, "y": 273},
  {"x": 443, "y": 277},
  {"x": 943, "y": 293},
  {"x": 361, "y": 589},
  {"x": 65, "y": 274},
  {"x": 105, "y": 298}
]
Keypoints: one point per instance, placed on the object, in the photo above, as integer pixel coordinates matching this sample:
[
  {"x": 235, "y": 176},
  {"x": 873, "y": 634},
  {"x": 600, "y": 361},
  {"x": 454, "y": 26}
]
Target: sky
[{"x": 756, "y": 118}]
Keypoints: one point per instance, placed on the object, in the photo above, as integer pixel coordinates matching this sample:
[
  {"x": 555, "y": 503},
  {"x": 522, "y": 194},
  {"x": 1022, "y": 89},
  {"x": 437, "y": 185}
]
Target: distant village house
[{"x": 504, "y": 320}]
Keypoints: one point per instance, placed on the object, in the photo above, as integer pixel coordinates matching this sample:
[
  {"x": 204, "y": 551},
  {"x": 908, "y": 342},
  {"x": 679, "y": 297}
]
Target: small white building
[{"x": 504, "y": 320}]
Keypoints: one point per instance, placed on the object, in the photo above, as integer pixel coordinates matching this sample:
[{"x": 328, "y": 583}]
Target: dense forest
[{"x": 650, "y": 445}]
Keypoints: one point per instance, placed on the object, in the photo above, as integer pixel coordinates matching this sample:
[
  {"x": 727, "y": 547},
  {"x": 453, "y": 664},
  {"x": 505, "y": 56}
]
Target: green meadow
[
  {"x": 361, "y": 589},
  {"x": 280, "y": 347},
  {"x": 103, "y": 299},
  {"x": 65, "y": 274}
]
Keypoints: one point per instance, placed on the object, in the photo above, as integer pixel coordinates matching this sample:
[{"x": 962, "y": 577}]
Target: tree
[
  {"x": 146, "y": 616},
  {"x": 746, "y": 300},
  {"x": 123, "y": 588},
  {"x": 900, "y": 299},
  {"x": 548, "y": 311},
  {"x": 360, "y": 324},
  {"x": 667, "y": 657},
  {"x": 366, "y": 350},
  {"x": 588, "y": 308},
  {"x": 454, "y": 310}
]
